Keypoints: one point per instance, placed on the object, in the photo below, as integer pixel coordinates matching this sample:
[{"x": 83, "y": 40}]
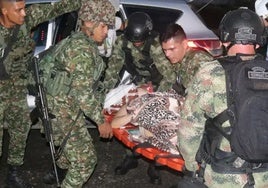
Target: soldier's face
[
  {"x": 13, "y": 12},
  {"x": 174, "y": 49},
  {"x": 98, "y": 32}
]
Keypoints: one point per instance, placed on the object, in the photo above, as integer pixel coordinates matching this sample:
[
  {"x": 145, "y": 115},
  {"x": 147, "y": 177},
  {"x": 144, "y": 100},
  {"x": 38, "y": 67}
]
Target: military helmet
[
  {"x": 242, "y": 26},
  {"x": 139, "y": 27},
  {"x": 97, "y": 11}
]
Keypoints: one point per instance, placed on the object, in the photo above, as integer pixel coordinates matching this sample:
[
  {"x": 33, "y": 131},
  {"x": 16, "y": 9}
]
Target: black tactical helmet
[
  {"x": 139, "y": 27},
  {"x": 242, "y": 26}
]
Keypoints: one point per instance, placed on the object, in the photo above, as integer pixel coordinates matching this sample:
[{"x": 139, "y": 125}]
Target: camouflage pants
[
  {"x": 14, "y": 111},
  {"x": 79, "y": 155},
  {"x": 216, "y": 180}
]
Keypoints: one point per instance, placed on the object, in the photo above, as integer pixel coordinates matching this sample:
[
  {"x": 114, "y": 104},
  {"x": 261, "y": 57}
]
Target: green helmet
[{"x": 97, "y": 11}]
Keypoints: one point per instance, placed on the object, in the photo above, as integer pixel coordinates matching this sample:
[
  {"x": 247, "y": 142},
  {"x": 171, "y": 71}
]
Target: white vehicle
[
  {"x": 162, "y": 13},
  {"x": 43, "y": 33}
]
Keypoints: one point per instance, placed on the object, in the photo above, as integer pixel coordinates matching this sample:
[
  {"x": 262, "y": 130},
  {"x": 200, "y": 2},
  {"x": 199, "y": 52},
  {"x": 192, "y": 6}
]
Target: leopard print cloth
[{"x": 157, "y": 113}]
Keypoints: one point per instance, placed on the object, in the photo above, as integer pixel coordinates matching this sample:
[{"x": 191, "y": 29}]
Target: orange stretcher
[
  {"x": 172, "y": 161},
  {"x": 158, "y": 157}
]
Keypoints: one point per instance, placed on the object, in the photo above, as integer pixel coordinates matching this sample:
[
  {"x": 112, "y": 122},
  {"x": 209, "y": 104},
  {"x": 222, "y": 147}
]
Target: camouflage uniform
[
  {"x": 80, "y": 56},
  {"x": 13, "y": 104},
  {"x": 207, "y": 94},
  {"x": 190, "y": 63},
  {"x": 79, "y": 155},
  {"x": 117, "y": 60}
]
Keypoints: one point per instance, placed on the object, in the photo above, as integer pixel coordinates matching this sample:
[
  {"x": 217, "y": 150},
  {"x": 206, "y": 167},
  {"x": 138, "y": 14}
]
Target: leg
[
  {"x": 154, "y": 174},
  {"x": 17, "y": 117},
  {"x": 81, "y": 154},
  {"x": 130, "y": 161}
]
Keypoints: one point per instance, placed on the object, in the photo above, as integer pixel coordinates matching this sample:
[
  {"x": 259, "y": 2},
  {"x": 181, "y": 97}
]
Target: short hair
[
  {"x": 173, "y": 30},
  {"x": 9, "y": 1}
]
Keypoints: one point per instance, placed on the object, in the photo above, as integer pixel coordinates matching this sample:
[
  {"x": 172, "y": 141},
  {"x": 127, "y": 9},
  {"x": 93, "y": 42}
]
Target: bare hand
[{"x": 105, "y": 130}]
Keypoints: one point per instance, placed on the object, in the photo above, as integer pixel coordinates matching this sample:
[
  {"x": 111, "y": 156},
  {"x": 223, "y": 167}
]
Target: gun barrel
[{"x": 46, "y": 121}]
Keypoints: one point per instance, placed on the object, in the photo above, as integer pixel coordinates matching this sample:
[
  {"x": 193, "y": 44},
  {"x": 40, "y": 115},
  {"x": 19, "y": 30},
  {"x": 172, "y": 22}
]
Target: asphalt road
[{"x": 110, "y": 154}]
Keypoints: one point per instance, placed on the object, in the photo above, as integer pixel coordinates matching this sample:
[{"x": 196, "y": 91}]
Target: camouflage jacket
[
  {"x": 22, "y": 50},
  {"x": 117, "y": 60},
  {"x": 190, "y": 64},
  {"x": 82, "y": 60},
  {"x": 207, "y": 95}
]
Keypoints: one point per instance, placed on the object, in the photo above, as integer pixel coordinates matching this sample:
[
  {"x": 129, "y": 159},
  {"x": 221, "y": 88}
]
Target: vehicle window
[
  {"x": 39, "y": 34},
  {"x": 65, "y": 25},
  {"x": 161, "y": 17}
]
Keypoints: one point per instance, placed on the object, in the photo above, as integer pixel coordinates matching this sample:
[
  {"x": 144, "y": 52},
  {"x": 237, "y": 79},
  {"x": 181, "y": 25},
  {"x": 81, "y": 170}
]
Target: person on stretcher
[{"x": 156, "y": 115}]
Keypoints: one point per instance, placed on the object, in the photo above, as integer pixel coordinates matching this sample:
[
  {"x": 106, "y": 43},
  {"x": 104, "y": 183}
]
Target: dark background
[{"x": 111, "y": 153}]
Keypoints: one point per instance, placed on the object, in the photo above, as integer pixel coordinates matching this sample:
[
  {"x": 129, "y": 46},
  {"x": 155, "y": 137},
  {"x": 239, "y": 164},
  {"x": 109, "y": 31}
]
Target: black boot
[
  {"x": 50, "y": 177},
  {"x": 129, "y": 162},
  {"x": 15, "y": 179},
  {"x": 154, "y": 174}
]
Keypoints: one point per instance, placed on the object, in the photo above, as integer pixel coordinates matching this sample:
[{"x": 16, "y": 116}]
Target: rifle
[{"x": 41, "y": 103}]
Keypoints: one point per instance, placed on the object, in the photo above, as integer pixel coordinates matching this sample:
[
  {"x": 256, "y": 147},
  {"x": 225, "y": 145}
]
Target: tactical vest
[
  {"x": 148, "y": 70},
  {"x": 18, "y": 53},
  {"x": 54, "y": 74}
]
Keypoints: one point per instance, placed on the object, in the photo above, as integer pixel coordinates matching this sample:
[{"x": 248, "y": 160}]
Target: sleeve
[
  {"x": 39, "y": 13},
  {"x": 192, "y": 65},
  {"x": 84, "y": 63},
  {"x": 115, "y": 64},
  {"x": 163, "y": 66},
  {"x": 205, "y": 95}
]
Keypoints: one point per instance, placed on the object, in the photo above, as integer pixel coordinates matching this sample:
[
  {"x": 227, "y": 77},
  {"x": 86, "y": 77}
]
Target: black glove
[
  {"x": 179, "y": 88},
  {"x": 156, "y": 76}
]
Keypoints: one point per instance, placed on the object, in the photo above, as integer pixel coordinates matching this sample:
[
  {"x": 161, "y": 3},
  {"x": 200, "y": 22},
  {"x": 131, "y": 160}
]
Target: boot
[
  {"x": 50, "y": 177},
  {"x": 154, "y": 174},
  {"x": 15, "y": 179},
  {"x": 129, "y": 162}
]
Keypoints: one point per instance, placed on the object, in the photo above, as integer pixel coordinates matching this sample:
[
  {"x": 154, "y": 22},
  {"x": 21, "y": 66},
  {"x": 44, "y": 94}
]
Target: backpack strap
[
  {"x": 228, "y": 66},
  {"x": 3, "y": 74},
  {"x": 63, "y": 144}
]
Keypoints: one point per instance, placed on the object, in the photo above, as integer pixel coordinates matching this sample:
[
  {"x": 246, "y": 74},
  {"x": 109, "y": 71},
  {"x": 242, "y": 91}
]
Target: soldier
[
  {"x": 17, "y": 49},
  {"x": 185, "y": 61},
  {"x": 139, "y": 53},
  {"x": 79, "y": 56},
  {"x": 241, "y": 33}
]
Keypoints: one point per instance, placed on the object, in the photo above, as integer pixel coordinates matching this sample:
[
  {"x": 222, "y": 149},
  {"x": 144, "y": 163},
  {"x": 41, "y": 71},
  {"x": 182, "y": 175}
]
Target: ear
[
  {"x": 225, "y": 44},
  {"x": 257, "y": 46},
  {"x": 88, "y": 24},
  {"x": 185, "y": 43},
  {"x": 4, "y": 11}
]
